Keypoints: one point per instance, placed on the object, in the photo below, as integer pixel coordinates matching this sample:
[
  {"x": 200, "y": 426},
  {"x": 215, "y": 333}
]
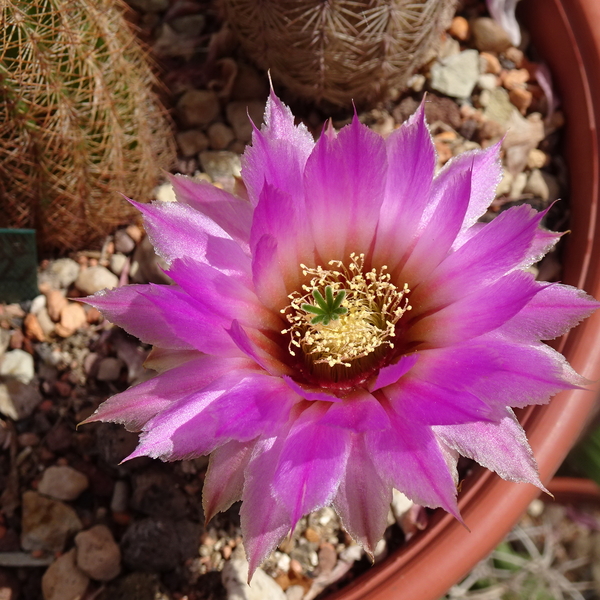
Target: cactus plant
[
  {"x": 79, "y": 121},
  {"x": 339, "y": 50}
]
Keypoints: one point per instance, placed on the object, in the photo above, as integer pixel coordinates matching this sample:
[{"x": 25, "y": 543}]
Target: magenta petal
[
  {"x": 312, "y": 461},
  {"x": 264, "y": 351},
  {"x": 278, "y": 152},
  {"x": 233, "y": 214},
  {"x": 264, "y": 519},
  {"x": 177, "y": 321},
  {"x": 550, "y": 313},
  {"x": 412, "y": 461},
  {"x": 411, "y": 164},
  {"x": 311, "y": 393},
  {"x": 391, "y": 373},
  {"x": 501, "y": 447},
  {"x": 477, "y": 313},
  {"x": 137, "y": 405},
  {"x": 363, "y": 498},
  {"x": 344, "y": 185},
  {"x": 239, "y": 405},
  {"x": 266, "y": 273},
  {"x": 359, "y": 412},
  {"x": 224, "y": 479}
]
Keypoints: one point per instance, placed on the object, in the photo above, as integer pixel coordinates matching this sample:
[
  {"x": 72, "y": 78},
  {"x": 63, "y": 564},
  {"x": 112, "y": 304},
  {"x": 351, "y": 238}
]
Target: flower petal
[
  {"x": 177, "y": 321},
  {"x": 267, "y": 275},
  {"x": 391, "y": 373},
  {"x": 344, "y": 184},
  {"x": 311, "y": 464},
  {"x": 311, "y": 393},
  {"x": 501, "y": 447},
  {"x": 363, "y": 498},
  {"x": 224, "y": 479},
  {"x": 359, "y": 411},
  {"x": 411, "y": 164},
  {"x": 232, "y": 214}
]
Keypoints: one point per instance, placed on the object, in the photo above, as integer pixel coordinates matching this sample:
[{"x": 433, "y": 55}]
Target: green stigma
[{"x": 327, "y": 309}]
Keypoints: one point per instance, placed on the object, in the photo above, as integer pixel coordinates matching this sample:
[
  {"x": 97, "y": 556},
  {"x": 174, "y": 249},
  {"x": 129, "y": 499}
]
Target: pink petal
[
  {"x": 267, "y": 275},
  {"x": 344, "y": 185},
  {"x": 232, "y": 214},
  {"x": 477, "y": 313},
  {"x": 264, "y": 519},
  {"x": 164, "y": 316},
  {"x": 501, "y": 447},
  {"x": 411, "y": 164},
  {"x": 311, "y": 393},
  {"x": 392, "y": 373},
  {"x": 411, "y": 460},
  {"x": 313, "y": 458},
  {"x": 550, "y": 313},
  {"x": 239, "y": 405},
  {"x": 224, "y": 479},
  {"x": 163, "y": 359},
  {"x": 363, "y": 498},
  {"x": 278, "y": 152},
  {"x": 359, "y": 412}
]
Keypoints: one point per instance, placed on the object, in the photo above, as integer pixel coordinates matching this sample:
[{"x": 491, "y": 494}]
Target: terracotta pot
[
  {"x": 567, "y": 35},
  {"x": 573, "y": 490}
]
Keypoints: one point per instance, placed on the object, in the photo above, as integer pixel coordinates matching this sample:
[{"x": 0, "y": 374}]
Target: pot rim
[{"x": 567, "y": 34}]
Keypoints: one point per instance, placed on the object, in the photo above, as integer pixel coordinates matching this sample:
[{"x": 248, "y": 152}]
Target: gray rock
[
  {"x": 488, "y": 36},
  {"x": 240, "y": 114},
  {"x": 63, "y": 483},
  {"x": 17, "y": 364},
  {"x": 456, "y": 75},
  {"x": 221, "y": 165},
  {"x": 117, "y": 263},
  {"x": 235, "y": 577},
  {"x": 198, "y": 108},
  {"x": 220, "y": 136},
  {"x": 159, "y": 544},
  {"x": 46, "y": 524},
  {"x": 96, "y": 278},
  {"x": 487, "y": 81},
  {"x": 146, "y": 265},
  {"x": 498, "y": 107},
  {"x": 109, "y": 369},
  {"x": 123, "y": 243},
  {"x": 522, "y": 136},
  {"x": 17, "y": 399},
  {"x": 98, "y": 555},
  {"x": 63, "y": 580},
  {"x": 191, "y": 142},
  {"x": 60, "y": 274}
]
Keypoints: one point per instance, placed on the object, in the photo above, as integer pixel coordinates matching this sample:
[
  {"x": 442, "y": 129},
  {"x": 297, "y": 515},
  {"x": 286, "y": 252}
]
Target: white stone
[
  {"x": 63, "y": 483},
  {"x": 235, "y": 576},
  {"x": 117, "y": 263},
  {"x": 96, "y": 278},
  {"x": 98, "y": 555},
  {"x": 487, "y": 81},
  {"x": 63, "y": 580},
  {"x": 400, "y": 504},
  {"x": 65, "y": 270},
  {"x": 456, "y": 75},
  {"x": 17, "y": 364},
  {"x": 37, "y": 304}
]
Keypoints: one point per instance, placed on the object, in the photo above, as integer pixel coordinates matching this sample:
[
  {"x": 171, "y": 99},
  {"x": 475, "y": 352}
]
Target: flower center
[{"x": 344, "y": 320}]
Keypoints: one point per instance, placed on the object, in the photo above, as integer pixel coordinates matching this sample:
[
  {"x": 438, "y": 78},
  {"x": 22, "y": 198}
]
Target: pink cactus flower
[{"x": 348, "y": 328}]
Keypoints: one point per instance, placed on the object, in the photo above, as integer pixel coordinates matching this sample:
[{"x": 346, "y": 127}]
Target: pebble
[
  {"x": 120, "y": 497},
  {"x": 63, "y": 580},
  {"x": 37, "y": 304},
  {"x": 33, "y": 329},
  {"x": 136, "y": 586},
  {"x": 515, "y": 78},
  {"x": 459, "y": 28},
  {"x": 294, "y": 592},
  {"x": 235, "y": 577},
  {"x": 498, "y": 107},
  {"x": 192, "y": 141},
  {"x": 327, "y": 558},
  {"x": 155, "y": 493},
  {"x": 489, "y": 36},
  {"x": 220, "y": 136},
  {"x": 521, "y": 98},
  {"x": 457, "y": 75},
  {"x": 18, "y": 400},
  {"x": 489, "y": 63},
  {"x": 98, "y": 555},
  {"x": 198, "y": 108},
  {"x": 17, "y": 364},
  {"x": 523, "y": 135},
  {"x": 94, "y": 279},
  {"x": 518, "y": 185},
  {"x": 240, "y": 114},
  {"x": 221, "y": 165},
  {"x": 55, "y": 302},
  {"x": 146, "y": 265},
  {"x": 505, "y": 185},
  {"x": 64, "y": 272},
  {"x": 71, "y": 319},
  {"x": 117, "y": 263},
  {"x": 135, "y": 233},
  {"x": 63, "y": 483},
  {"x": 109, "y": 369},
  {"x": 542, "y": 185},
  {"x": 487, "y": 81},
  {"x": 46, "y": 524},
  {"x": 46, "y": 323},
  {"x": 123, "y": 242},
  {"x": 9, "y": 585},
  {"x": 536, "y": 159},
  {"x": 147, "y": 6},
  {"x": 417, "y": 82}
]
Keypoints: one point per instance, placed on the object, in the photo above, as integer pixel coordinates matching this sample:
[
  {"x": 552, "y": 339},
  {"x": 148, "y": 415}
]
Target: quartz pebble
[
  {"x": 457, "y": 75},
  {"x": 64, "y": 580},
  {"x": 98, "y": 555},
  {"x": 63, "y": 272},
  {"x": 117, "y": 263},
  {"x": 46, "y": 524},
  {"x": 94, "y": 279},
  {"x": 63, "y": 483},
  {"x": 17, "y": 364}
]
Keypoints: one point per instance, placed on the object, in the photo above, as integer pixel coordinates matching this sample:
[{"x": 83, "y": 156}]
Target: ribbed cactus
[
  {"x": 339, "y": 50},
  {"x": 79, "y": 121}
]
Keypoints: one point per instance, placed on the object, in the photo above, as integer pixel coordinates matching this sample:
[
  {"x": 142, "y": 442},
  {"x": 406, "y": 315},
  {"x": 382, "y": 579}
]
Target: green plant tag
[{"x": 18, "y": 265}]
